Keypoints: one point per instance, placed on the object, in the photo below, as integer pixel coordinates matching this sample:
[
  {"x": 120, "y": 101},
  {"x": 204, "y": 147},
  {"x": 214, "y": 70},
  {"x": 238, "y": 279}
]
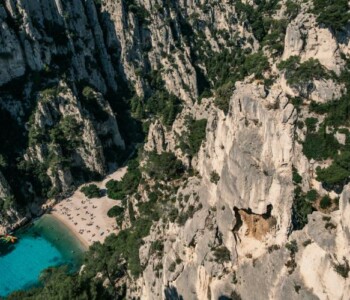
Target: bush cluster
[
  {"x": 191, "y": 139},
  {"x": 128, "y": 185},
  {"x": 301, "y": 74},
  {"x": 164, "y": 166},
  {"x": 214, "y": 177},
  {"x": 222, "y": 254},
  {"x": 91, "y": 191},
  {"x": 332, "y": 13}
]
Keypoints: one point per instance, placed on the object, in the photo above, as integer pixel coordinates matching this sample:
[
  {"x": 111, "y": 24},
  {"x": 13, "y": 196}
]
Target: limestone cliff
[{"x": 261, "y": 208}]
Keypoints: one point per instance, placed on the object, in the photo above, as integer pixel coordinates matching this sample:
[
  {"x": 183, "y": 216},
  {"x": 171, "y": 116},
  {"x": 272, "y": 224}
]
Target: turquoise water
[{"x": 44, "y": 244}]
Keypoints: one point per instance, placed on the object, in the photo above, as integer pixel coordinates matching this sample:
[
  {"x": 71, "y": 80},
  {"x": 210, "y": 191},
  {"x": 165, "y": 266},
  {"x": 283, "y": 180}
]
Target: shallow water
[{"x": 44, "y": 244}]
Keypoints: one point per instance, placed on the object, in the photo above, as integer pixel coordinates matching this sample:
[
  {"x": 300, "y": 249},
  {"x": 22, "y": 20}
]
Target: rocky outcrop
[
  {"x": 251, "y": 149},
  {"x": 37, "y": 35},
  {"x": 253, "y": 176},
  {"x": 63, "y": 117},
  {"x": 5, "y": 189},
  {"x": 304, "y": 38},
  {"x": 9, "y": 217}
]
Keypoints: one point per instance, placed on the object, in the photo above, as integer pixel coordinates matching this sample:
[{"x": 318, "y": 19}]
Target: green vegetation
[
  {"x": 191, "y": 139},
  {"x": 159, "y": 103},
  {"x": 337, "y": 112},
  {"x": 222, "y": 254},
  {"x": 342, "y": 269},
  {"x": 307, "y": 242},
  {"x": 127, "y": 243},
  {"x": 188, "y": 214},
  {"x": 223, "y": 95},
  {"x": 292, "y": 9},
  {"x": 311, "y": 124},
  {"x": 89, "y": 100},
  {"x": 128, "y": 185},
  {"x": 332, "y": 13},
  {"x": 6, "y": 203},
  {"x": 256, "y": 16},
  {"x": 172, "y": 267},
  {"x": 274, "y": 40},
  {"x": 301, "y": 74},
  {"x": 272, "y": 248},
  {"x": 292, "y": 246},
  {"x": 320, "y": 145},
  {"x": 230, "y": 69},
  {"x": 58, "y": 284},
  {"x": 157, "y": 247},
  {"x": 138, "y": 10},
  {"x": 323, "y": 145},
  {"x": 334, "y": 174},
  {"x": 325, "y": 202},
  {"x": 214, "y": 177},
  {"x": 235, "y": 62},
  {"x": 301, "y": 208},
  {"x": 256, "y": 63},
  {"x": 62, "y": 139},
  {"x": 296, "y": 176},
  {"x": 116, "y": 211},
  {"x": 164, "y": 105},
  {"x": 91, "y": 191},
  {"x": 164, "y": 166},
  {"x": 36, "y": 172},
  {"x": 312, "y": 195}
]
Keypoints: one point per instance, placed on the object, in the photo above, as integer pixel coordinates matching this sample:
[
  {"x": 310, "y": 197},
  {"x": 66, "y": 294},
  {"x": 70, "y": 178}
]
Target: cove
[{"x": 45, "y": 243}]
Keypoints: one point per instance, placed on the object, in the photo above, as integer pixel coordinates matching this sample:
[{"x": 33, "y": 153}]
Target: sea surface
[{"x": 46, "y": 243}]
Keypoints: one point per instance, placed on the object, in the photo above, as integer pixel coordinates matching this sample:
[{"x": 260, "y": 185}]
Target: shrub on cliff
[
  {"x": 222, "y": 254},
  {"x": 301, "y": 208},
  {"x": 214, "y": 177},
  {"x": 342, "y": 269},
  {"x": 191, "y": 140},
  {"x": 299, "y": 74},
  {"x": 164, "y": 166},
  {"x": 332, "y": 13},
  {"x": 338, "y": 172},
  {"x": 325, "y": 202},
  {"x": 128, "y": 185},
  {"x": 320, "y": 145}
]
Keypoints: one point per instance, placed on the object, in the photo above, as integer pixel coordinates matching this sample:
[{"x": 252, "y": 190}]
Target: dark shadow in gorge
[{"x": 171, "y": 293}]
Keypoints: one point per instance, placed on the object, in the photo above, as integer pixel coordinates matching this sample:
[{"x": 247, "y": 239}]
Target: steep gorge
[{"x": 82, "y": 82}]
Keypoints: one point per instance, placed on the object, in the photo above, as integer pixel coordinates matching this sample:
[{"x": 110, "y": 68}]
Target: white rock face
[
  {"x": 306, "y": 39},
  {"x": 252, "y": 148},
  {"x": 47, "y": 29},
  {"x": 12, "y": 62},
  {"x": 156, "y": 138},
  {"x": 344, "y": 204},
  {"x": 51, "y": 110},
  {"x": 252, "y": 151}
]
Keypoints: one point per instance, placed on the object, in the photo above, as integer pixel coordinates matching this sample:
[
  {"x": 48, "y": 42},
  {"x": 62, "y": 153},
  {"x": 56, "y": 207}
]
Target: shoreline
[
  {"x": 71, "y": 229},
  {"x": 87, "y": 218},
  {"x": 69, "y": 213}
]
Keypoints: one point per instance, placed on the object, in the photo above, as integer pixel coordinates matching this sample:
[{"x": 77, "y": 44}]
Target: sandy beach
[{"x": 87, "y": 218}]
